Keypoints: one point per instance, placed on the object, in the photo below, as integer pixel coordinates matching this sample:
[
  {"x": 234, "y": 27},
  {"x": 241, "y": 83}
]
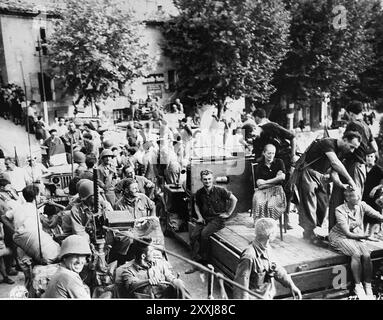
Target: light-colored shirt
[
  {"x": 140, "y": 207},
  {"x": 17, "y": 178},
  {"x": 33, "y": 174},
  {"x": 256, "y": 272},
  {"x": 353, "y": 221},
  {"x": 24, "y": 217},
  {"x": 66, "y": 284}
]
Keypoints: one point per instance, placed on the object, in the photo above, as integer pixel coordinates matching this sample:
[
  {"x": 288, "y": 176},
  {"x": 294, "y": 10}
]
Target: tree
[
  {"x": 227, "y": 48},
  {"x": 324, "y": 58},
  {"x": 97, "y": 49},
  {"x": 370, "y": 87}
]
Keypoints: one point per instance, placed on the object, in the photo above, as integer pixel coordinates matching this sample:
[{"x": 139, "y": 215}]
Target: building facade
[{"x": 26, "y": 25}]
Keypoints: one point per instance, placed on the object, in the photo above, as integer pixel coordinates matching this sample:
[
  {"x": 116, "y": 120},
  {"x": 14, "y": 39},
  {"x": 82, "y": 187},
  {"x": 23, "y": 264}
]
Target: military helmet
[
  {"x": 75, "y": 244},
  {"x": 106, "y": 153},
  {"x": 78, "y": 157},
  {"x": 85, "y": 189}
]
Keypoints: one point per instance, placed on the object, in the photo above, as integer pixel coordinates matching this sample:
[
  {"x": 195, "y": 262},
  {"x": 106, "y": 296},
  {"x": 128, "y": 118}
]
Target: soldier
[
  {"x": 255, "y": 265},
  {"x": 66, "y": 282},
  {"x": 107, "y": 175}
]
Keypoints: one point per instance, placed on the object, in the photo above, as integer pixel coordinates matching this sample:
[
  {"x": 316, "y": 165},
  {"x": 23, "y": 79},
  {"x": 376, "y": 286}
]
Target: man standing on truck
[
  {"x": 255, "y": 271},
  {"x": 322, "y": 157},
  {"x": 212, "y": 210}
]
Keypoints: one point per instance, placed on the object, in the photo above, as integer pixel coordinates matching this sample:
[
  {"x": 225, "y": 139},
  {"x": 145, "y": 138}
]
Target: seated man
[
  {"x": 137, "y": 204},
  {"x": 66, "y": 282},
  {"x": 34, "y": 245},
  {"x": 269, "y": 199},
  {"x": 145, "y": 277},
  {"x": 145, "y": 186},
  {"x": 256, "y": 272},
  {"x": 212, "y": 211}
]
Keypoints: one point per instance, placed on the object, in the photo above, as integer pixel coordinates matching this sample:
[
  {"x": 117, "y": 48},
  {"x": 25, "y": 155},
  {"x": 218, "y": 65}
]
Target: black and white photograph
[{"x": 196, "y": 151}]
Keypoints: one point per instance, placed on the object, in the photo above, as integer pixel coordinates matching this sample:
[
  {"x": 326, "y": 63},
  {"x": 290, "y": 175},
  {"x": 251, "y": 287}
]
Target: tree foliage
[
  {"x": 97, "y": 48},
  {"x": 227, "y": 48},
  {"x": 321, "y": 57}
]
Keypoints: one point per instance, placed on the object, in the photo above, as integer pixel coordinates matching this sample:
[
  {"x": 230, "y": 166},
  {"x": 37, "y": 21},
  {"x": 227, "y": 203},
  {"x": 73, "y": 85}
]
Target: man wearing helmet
[
  {"x": 66, "y": 282},
  {"x": 107, "y": 175},
  {"x": 83, "y": 210}
]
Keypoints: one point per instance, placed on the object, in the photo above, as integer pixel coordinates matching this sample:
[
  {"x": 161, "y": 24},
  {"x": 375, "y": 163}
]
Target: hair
[
  {"x": 127, "y": 183},
  {"x": 260, "y": 113},
  {"x": 50, "y": 210},
  {"x": 87, "y": 135},
  {"x": 90, "y": 160},
  {"x": 126, "y": 167},
  {"x": 349, "y": 135},
  {"x": 61, "y": 118},
  {"x": 269, "y": 144},
  {"x": 39, "y": 117},
  {"x": 52, "y": 130},
  {"x": 349, "y": 191},
  {"x": 141, "y": 248},
  {"x": 205, "y": 172},
  {"x": 30, "y": 192},
  {"x": 73, "y": 185},
  {"x": 264, "y": 227},
  {"x": 355, "y": 107}
]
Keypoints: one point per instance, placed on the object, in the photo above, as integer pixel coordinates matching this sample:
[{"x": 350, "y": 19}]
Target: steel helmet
[
  {"x": 75, "y": 244},
  {"x": 85, "y": 189},
  {"x": 106, "y": 153},
  {"x": 107, "y": 143},
  {"x": 78, "y": 157}
]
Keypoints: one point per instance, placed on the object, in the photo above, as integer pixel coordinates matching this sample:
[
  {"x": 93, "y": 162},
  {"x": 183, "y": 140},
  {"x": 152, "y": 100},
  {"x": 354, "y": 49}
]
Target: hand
[
  {"x": 352, "y": 184},
  {"x": 373, "y": 191},
  {"x": 294, "y": 159},
  {"x": 296, "y": 292},
  {"x": 200, "y": 220},
  {"x": 224, "y": 215}
]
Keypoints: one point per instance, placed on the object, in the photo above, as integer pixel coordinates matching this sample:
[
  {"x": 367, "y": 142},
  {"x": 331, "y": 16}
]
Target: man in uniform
[
  {"x": 255, "y": 271},
  {"x": 145, "y": 276},
  {"x": 212, "y": 211},
  {"x": 145, "y": 186},
  {"x": 107, "y": 175}
]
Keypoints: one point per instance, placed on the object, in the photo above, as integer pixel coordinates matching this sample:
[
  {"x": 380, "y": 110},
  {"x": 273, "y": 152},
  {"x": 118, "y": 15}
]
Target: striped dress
[{"x": 353, "y": 221}]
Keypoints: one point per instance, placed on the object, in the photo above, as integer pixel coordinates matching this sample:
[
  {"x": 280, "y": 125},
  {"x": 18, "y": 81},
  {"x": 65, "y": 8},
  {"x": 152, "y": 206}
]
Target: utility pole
[{"x": 43, "y": 97}]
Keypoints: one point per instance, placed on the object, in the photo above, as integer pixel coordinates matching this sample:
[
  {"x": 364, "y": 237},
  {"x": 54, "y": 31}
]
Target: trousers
[
  {"x": 314, "y": 198},
  {"x": 199, "y": 239}
]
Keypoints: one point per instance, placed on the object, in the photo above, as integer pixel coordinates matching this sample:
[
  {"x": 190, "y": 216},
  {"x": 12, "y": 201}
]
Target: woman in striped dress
[{"x": 347, "y": 236}]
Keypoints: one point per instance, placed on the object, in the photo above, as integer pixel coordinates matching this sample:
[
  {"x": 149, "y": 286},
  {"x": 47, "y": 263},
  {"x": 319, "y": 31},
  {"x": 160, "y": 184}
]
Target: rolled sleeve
[{"x": 371, "y": 212}]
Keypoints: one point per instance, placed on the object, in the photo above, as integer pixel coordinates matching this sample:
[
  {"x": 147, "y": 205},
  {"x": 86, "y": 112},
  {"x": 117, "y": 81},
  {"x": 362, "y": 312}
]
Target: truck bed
[{"x": 311, "y": 267}]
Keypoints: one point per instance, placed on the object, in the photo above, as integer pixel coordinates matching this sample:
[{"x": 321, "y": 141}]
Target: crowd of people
[{"x": 130, "y": 177}]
